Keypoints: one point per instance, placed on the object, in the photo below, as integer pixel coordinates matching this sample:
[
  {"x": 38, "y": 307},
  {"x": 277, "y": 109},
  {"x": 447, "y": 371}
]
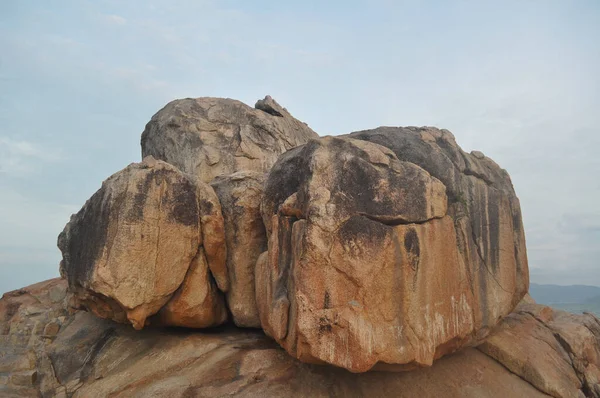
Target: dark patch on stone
[
  {"x": 407, "y": 145},
  {"x": 358, "y": 184},
  {"x": 84, "y": 238},
  {"x": 411, "y": 244},
  {"x": 285, "y": 256},
  {"x": 516, "y": 220},
  {"x": 326, "y": 301},
  {"x": 359, "y": 230},
  {"x": 324, "y": 325},
  {"x": 271, "y": 111},
  {"x": 184, "y": 209},
  {"x": 494, "y": 231},
  {"x": 192, "y": 140},
  {"x": 206, "y": 206},
  {"x": 136, "y": 212},
  {"x": 289, "y": 172},
  {"x": 11, "y": 309},
  {"x": 267, "y": 105}
]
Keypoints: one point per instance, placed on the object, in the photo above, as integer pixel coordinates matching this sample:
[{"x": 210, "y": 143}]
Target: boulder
[
  {"x": 555, "y": 351},
  {"x": 240, "y": 195},
  {"x": 363, "y": 264},
  {"x": 208, "y": 137},
  {"x": 149, "y": 235},
  {"x": 485, "y": 211}
]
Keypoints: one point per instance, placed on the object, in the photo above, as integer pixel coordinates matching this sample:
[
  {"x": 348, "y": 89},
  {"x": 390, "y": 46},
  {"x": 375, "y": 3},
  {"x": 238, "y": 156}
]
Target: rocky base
[{"x": 536, "y": 351}]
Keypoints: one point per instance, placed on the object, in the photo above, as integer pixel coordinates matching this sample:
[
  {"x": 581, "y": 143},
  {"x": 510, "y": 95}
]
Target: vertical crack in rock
[
  {"x": 478, "y": 250},
  {"x": 161, "y": 197}
]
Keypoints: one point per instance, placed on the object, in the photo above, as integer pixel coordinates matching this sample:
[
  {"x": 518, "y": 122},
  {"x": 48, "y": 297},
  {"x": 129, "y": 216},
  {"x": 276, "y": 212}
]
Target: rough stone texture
[
  {"x": 51, "y": 329},
  {"x": 21, "y": 348},
  {"x": 140, "y": 241},
  {"x": 485, "y": 211},
  {"x": 208, "y": 137},
  {"x": 24, "y": 378},
  {"x": 240, "y": 195},
  {"x": 557, "y": 352},
  {"x": 197, "y": 303},
  {"x": 92, "y": 357},
  {"x": 363, "y": 264}
]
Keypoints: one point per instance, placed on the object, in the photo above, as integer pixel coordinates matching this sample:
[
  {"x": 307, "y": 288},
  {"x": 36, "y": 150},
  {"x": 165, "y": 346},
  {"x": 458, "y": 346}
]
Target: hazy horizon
[{"x": 517, "y": 81}]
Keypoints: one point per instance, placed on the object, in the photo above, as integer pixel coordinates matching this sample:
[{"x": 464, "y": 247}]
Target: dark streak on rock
[
  {"x": 327, "y": 301},
  {"x": 411, "y": 244},
  {"x": 183, "y": 203}
]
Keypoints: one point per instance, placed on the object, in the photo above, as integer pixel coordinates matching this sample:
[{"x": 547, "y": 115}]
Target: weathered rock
[
  {"x": 24, "y": 378},
  {"x": 240, "y": 195},
  {"x": 197, "y": 303},
  {"x": 557, "y": 352},
  {"x": 208, "y": 137},
  {"x": 92, "y": 357},
  {"x": 21, "y": 310},
  {"x": 128, "y": 250},
  {"x": 51, "y": 329},
  {"x": 485, "y": 210},
  {"x": 363, "y": 264}
]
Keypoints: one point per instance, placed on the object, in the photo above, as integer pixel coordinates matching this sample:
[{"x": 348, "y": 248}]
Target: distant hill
[
  {"x": 548, "y": 294},
  {"x": 574, "y": 298}
]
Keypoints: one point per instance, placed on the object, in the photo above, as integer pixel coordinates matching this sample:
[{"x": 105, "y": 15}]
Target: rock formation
[
  {"x": 388, "y": 248},
  {"x": 382, "y": 249},
  {"x": 557, "y": 352},
  {"x": 209, "y": 137},
  {"x": 46, "y": 352},
  {"x": 145, "y": 242},
  {"x": 485, "y": 210},
  {"x": 245, "y": 236},
  {"x": 365, "y": 265}
]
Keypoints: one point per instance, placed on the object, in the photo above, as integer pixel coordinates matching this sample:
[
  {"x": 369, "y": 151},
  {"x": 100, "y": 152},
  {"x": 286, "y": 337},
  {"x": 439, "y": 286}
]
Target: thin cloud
[
  {"x": 115, "y": 20},
  {"x": 22, "y": 157}
]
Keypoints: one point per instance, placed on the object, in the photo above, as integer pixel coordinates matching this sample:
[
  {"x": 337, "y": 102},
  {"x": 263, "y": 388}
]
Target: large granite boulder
[
  {"x": 485, "y": 210},
  {"x": 555, "y": 351},
  {"x": 366, "y": 266},
  {"x": 240, "y": 195},
  {"x": 208, "y": 137},
  {"x": 150, "y": 239},
  {"x": 46, "y": 352}
]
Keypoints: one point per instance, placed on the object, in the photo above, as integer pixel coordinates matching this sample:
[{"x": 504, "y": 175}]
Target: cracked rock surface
[
  {"x": 370, "y": 263},
  {"x": 149, "y": 242},
  {"x": 92, "y": 357},
  {"x": 245, "y": 236},
  {"x": 363, "y": 265},
  {"x": 209, "y": 137},
  {"x": 485, "y": 210},
  {"x": 555, "y": 351}
]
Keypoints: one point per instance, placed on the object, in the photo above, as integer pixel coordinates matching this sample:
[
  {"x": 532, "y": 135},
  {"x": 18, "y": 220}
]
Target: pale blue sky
[{"x": 518, "y": 80}]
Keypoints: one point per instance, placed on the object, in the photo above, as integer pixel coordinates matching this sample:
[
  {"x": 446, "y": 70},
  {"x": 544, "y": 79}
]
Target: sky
[{"x": 517, "y": 80}]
